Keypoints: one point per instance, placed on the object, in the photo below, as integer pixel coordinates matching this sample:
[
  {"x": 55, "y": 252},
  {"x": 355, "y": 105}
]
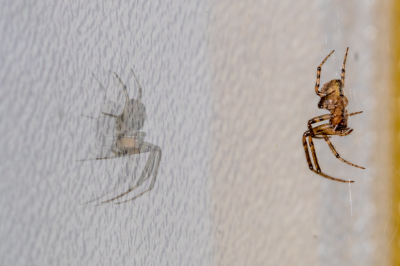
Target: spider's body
[{"x": 333, "y": 100}]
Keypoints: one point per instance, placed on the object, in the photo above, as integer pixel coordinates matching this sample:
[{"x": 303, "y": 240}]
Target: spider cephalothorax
[
  {"x": 333, "y": 91},
  {"x": 333, "y": 100}
]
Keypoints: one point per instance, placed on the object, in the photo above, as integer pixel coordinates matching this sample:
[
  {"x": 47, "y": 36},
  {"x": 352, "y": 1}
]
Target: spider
[
  {"x": 129, "y": 140},
  {"x": 333, "y": 100}
]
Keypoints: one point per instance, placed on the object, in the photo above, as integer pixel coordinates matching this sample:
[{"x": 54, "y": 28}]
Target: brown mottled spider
[{"x": 333, "y": 100}]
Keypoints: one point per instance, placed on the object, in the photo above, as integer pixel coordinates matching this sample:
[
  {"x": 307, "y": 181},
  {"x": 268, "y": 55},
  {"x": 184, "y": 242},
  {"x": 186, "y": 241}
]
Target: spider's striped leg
[
  {"x": 345, "y": 133},
  {"x": 355, "y": 113},
  {"x": 320, "y": 137},
  {"x": 319, "y": 76},
  {"x": 305, "y": 145},
  {"x": 343, "y": 74},
  {"x": 305, "y": 135},
  {"x": 154, "y": 170},
  {"x": 313, "y": 153},
  {"x": 332, "y": 178},
  {"x": 337, "y": 154},
  {"x": 316, "y": 120},
  {"x": 324, "y": 129},
  {"x": 328, "y": 130}
]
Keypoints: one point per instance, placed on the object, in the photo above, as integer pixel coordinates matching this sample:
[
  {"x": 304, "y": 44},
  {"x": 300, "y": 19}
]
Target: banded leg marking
[
  {"x": 317, "y": 120},
  {"x": 337, "y": 154},
  {"x": 343, "y": 73},
  {"x": 305, "y": 135},
  {"x": 319, "y": 76}
]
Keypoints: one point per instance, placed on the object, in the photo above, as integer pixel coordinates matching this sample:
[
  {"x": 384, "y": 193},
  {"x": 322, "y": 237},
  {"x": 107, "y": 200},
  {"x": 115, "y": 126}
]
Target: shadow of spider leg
[
  {"x": 149, "y": 170},
  {"x": 117, "y": 154}
]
